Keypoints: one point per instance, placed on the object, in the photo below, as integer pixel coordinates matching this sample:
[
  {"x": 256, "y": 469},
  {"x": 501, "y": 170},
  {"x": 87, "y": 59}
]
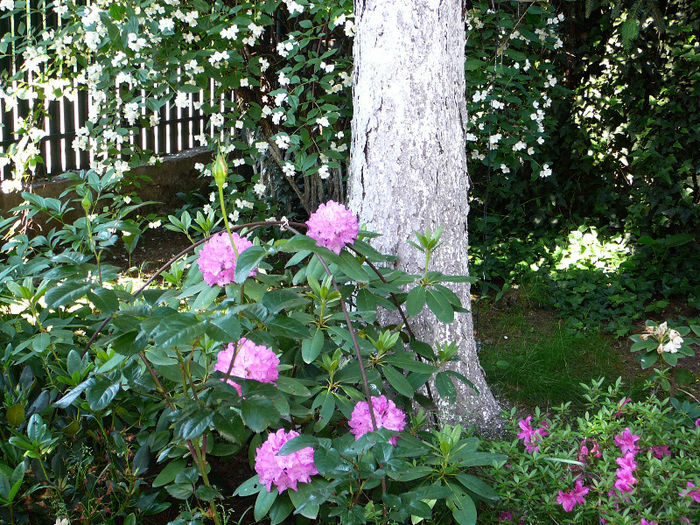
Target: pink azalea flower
[
  {"x": 332, "y": 225},
  {"x": 695, "y": 494},
  {"x": 506, "y": 516},
  {"x": 621, "y": 404},
  {"x": 529, "y": 435},
  {"x": 625, "y": 480},
  {"x": 660, "y": 451},
  {"x": 574, "y": 497},
  {"x": 252, "y": 362},
  {"x": 217, "y": 260},
  {"x": 627, "y": 462},
  {"x": 645, "y": 522},
  {"x": 386, "y": 414},
  {"x": 626, "y": 441},
  {"x": 283, "y": 471}
]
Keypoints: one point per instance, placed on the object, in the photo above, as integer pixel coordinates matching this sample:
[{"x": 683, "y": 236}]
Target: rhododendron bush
[{"x": 260, "y": 341}]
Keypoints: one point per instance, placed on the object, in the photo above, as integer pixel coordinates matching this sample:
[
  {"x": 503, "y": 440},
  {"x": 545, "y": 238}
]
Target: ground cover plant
[{"x": 134, "y": 398}]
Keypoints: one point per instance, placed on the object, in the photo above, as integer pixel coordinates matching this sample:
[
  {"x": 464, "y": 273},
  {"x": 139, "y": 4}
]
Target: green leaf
[
  {"x": 398, "y": 381},
  {"x": 71, "y": 396},
  {"x": 258, "y": 413},
  {"x": 67, "y": 293},
  {"x": 305, "y": 501},
  {"x": 178, "y": 329},
  {"x": 280, "y": 510},
  {"x": 415, "y": 301},
  {"x": 207, "y": 493},
  {"x": 292, "y": 386},
  {"x": 629, "y": 31},
  {"x": 684, "y": 377},
  {"x": 297, "y": 443},
  {"x": 477, "y": 486},
  {"x": 167, "y": 475},
  {"x": 247, "y": 260},
  {"x": 206, "y": 297},
  {"x": 440, "y": 307},
  {"x": 464, "y": 512},
  {"x": 671, "y": 359},
  {"x": 289, "y": 327},
  {"x": 263, "y": 503},
  {"x": 405, "y": 361},
  {"x": 101, "y": 392},
  {"x": 194, "y": 426},
  {"x": 311, "y": 347},
  {"x": 648, "y": 359},
  {"x": 249, "y": 487},
  {"x": 180, "y": 490},
  {"x": 104, "y": 300},
  {"x": 445, "y": 387},
  {"x": 350, "y": 267}
]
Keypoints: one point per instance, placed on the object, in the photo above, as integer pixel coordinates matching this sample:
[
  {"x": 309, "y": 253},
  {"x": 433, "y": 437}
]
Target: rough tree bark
[{"x": 408, "y": 167}]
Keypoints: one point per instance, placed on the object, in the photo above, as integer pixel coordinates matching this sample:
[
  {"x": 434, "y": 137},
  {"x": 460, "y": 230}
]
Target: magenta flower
[
  {"x": 332, "y": 225},
  {"x": 627, "y": 462},
  {"x": 529, "y": 435},
  {"x": 252, "y": 362},
  {"x": 217, "y": 260},
  {"x": 660, "y": 451},
  {"x": 283, "y": 471},
  {"x": 625, "y": 480},
  {"x": 626, "y": 441},
  {"x": 645, "y": 522},
  {"x": 386, "y": 414},
  {"x": 695, "y": 494},
  {"x": 506, "y": 516},
  {"x": 574, "y": 497}
]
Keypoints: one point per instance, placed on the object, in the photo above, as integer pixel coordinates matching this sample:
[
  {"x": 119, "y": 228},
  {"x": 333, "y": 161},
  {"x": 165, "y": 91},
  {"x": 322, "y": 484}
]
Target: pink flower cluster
[
  {"x": 386, "y": 414},
  {"x": 691, "y": 491},
  {"x": 217, "y": 260},
  {"x": 283, "y": 471},
  {"x": 574, "y": 497},
  {"x": 332, "y": 225},
  {"x": 251, "y": 362},
  {"x": 584, "y": 452},
  {"x": 530, "y": 436},
  {"x": 625, "y": 474}
]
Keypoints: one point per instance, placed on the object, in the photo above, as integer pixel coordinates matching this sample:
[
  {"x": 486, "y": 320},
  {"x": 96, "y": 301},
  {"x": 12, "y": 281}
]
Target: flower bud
[
  {"x": 219, "y": 170},
  {"x": 86, "y": 201}
]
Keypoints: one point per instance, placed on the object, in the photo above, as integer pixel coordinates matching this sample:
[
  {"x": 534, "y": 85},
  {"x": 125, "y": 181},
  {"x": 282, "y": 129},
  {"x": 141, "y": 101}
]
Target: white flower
[
  {"x": 239, "y": 124},
  {"x": 322, "y": 122},
  {"x": 493, "y": 139},
  {"x": 217, "y": 119},
  {"x": 293, "y": 7},
  {"x": 519, "y": 145},
  {"x": 166, "y": 24},
  {"x": 259, "y": 189},
  {"x": 261, "y": 146},
  {"x": 131, "y": 112},
  {"x": 230, "y": 33},
  {"x": 278, "y": 116},
  {"x": 155, "y": 224},
  {"x": 280, "y": 98},
  {"x": 505, "y": 169},
  {"x": 135, "y": 42},
  {"x": 245, "y": 82},
  {"x": 154, "y": 119},
  {"x": 256, "y": 30},
  {"x": 282, "y": 79},
  {"x": 471, "y": 137},
  {"x": 323, "y": 172},
  {"x": 546, "y": 171},
  {"x": 282, "y": 141},
  {"x": 234, "y": 215},
  {"x": 496, "y": 104},
  {"x": 182, "y": 100},
  {"x": 288, "y": 169},
  {"x": 264, "y": 64},
  {"x": 328, "y": 68},
  {"x": 61, "y": 521},
  {"x": 11, "y": 185}
]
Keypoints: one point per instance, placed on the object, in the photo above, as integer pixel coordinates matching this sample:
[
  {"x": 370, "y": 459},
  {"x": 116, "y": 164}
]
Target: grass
[{"x": 533, "y": 359}]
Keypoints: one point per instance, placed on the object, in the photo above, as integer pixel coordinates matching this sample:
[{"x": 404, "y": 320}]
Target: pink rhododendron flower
[
  {"x": 626, "y": 441},
  {"x": 386, "y": 414},
  {"x": 252, "y": 362},
  {"x": 695, "y": 494},
  {"x": 697, "y": 422},
  {"x": 529, "y": 435},
  {"x": 283, "y": 471},
  {"x": 660, "y": 451},
  {"x": 332, "y": 225},
  {"x": 217, "y": 260},
  {"x": 574, "y": 497}
]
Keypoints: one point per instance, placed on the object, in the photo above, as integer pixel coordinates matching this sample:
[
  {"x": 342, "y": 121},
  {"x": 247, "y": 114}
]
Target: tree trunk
[{"x": 408, "y": 168}]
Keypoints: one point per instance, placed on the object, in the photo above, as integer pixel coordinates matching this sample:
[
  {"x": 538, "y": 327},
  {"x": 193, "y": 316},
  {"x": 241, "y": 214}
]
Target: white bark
[{"x": 408, "y": 167}]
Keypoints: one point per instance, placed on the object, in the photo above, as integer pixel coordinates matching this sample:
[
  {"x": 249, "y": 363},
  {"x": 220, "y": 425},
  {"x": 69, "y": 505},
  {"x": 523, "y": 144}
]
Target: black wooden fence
[{"x": 175, "y": 132}]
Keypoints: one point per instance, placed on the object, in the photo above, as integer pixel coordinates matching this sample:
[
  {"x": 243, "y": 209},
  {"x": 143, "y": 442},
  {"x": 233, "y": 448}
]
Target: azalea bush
[
  {"x": 621, "y": 461},
  {"x": 238, "y": 347}
]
